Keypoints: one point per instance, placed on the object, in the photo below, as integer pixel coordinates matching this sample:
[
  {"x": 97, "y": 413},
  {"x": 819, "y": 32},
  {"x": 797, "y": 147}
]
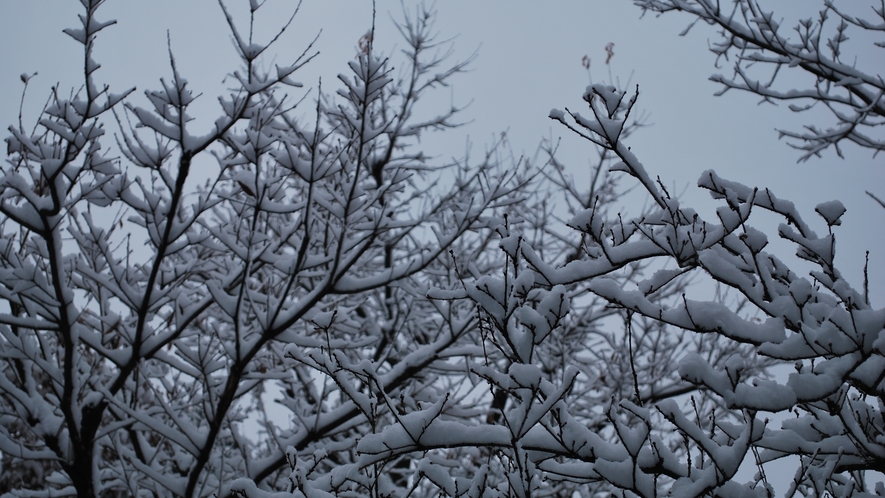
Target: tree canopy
[{"x": 289, "y": 306}]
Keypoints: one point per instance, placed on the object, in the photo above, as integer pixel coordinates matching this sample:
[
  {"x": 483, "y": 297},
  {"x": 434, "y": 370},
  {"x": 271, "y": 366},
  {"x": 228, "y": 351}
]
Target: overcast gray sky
[{"x": 529, "y": 62}]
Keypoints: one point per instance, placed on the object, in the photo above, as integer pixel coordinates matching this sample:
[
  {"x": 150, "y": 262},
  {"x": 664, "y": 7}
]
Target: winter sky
[{"x": 529, "y": 61}]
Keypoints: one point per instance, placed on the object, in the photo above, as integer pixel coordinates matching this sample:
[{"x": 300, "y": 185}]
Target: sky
[{"x": 528, "y": 62}]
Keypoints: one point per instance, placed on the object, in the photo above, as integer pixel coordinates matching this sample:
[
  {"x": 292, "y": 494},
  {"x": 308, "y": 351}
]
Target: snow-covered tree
[
  {"x": 546, "y": 440},
  {"x": 674, "y": 402},
  {"x": 770, "y": 59},
  {"x": 290, "y": 306},
  {"x": 153, "y": 291},
  {"x": 186, "y": 307},
  {"x": 818, "y": 324}
]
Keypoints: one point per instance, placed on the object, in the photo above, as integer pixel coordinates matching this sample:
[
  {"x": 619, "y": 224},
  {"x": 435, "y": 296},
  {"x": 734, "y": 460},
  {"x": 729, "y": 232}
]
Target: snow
[
  {"x": 763, "y": 395},
  {"x": 556, "y": 114},
  {"x": 525, "y": 376},
  {"x": 427, "y": 432},
  {"x": 658, "y": 280},
  {"x": 754, "y": 239},
  {"x": 439, "y": 475},
  {"x": 831, "y": 211}
]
